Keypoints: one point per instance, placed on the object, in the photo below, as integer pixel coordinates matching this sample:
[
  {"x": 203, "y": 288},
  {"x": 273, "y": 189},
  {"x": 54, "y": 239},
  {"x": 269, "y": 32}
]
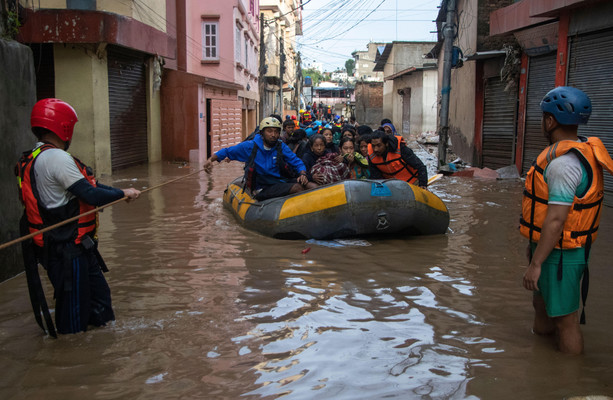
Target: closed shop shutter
[
  {"x": 591, "y": 70},
  {"x": 541, "y": 79},
  {"x": 127, "y": 107},
  {"x": 499, "y": 115},
  {"x": 225, "y": 123}
]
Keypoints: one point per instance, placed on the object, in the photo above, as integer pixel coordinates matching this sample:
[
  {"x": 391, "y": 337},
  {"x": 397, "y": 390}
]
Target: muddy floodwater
[{"x": 208, "y": 310}]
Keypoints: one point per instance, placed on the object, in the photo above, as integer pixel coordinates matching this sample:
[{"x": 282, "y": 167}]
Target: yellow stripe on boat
[
  {"x": 428, "y": 198},
  {"x": 240, "y": 201},
  {"x": 314, "y": 201}
]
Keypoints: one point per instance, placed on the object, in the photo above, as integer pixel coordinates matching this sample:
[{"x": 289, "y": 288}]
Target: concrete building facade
[
  {"x": 482, "y": 58},
  {"x": 210, "y": 92},
  {"x": 282, "y": 22},
  {"x": 365, "y": 63},
  {"x": 103, "y": 58},
  {"x": 410, "y": 87}
]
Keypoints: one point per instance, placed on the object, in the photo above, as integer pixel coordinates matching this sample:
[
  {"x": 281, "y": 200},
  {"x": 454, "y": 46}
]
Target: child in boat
[
  {"x": 330, "y": 168},
  {"x": 298, "y": 142},
  {"x": 348, "y": 131},
  {"x": 362, "y": 145},
  {"x": 329, "y": 140},
  {"x": 315, "y": 149},
  {"x": 357, "y": 164}
]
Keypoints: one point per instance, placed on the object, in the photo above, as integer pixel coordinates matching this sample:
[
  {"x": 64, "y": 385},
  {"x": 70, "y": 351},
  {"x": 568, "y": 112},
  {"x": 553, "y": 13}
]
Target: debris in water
[
  {"x": 340, "y": 243},
  {"x": 156, "y": 378}
]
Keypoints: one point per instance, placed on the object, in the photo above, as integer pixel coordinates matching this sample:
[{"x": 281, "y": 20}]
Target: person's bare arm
[{"x": 550, "y": 234}]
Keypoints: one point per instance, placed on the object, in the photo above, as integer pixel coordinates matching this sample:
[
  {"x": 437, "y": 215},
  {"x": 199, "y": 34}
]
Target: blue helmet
[{"x": 569, "y": 105}]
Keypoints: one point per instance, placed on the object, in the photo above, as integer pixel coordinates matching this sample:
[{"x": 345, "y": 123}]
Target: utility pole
[
  {"x": 262, "y": 69},
  {"x": 281, "y": 71},
  {"x": 448, "y": 34},
  {"x": 298, "y": 83}
]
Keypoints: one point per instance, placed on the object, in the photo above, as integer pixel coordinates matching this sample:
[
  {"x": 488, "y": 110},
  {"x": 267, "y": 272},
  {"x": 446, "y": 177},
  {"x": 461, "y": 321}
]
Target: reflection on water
[{"x": 207, "y": 309}]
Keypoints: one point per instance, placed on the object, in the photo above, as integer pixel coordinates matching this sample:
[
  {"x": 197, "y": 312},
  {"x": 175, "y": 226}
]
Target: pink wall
[{"x": 228, "y": 12}]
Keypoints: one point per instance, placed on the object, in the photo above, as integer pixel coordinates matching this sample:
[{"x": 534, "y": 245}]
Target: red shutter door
[{"x": 225, "y": 123}]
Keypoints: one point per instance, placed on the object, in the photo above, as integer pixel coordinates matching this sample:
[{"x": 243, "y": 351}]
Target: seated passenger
[
  {"x": 362, "y": 144},
  {"x": 330, "y": 168},
  {"x": 328, "y": 135},
  {"x": 348, "y": 131},
  {"x": 288, "y": 129},
  {"x": 388, "y": 128},
  {"x": 363, "y": 130},
  {"x": 390, "y": 157},
  {"x": 298, "y": 142},
  {"x": 315, "y": 149},
  {"x": 336, "y": 135},
  {"x": 357, "y": 164},
  {"x": 271, "y": 168}
]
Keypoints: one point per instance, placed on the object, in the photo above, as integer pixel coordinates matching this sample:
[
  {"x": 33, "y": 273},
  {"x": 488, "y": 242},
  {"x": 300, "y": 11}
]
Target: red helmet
[{"x": 56, "y": 115}]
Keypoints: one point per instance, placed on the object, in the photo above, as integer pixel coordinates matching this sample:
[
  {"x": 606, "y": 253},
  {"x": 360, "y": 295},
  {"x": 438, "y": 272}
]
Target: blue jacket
[{"x": 265, "y": 160}]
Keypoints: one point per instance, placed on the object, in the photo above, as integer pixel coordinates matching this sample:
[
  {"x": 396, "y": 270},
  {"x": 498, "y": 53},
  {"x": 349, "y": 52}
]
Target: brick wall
[{"x": 369, "y": 103}]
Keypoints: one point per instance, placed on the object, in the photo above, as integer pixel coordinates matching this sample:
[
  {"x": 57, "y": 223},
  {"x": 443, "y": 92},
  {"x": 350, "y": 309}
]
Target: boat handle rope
[
  {"x": 376, "y": 182},
  {"x": 66, "y": 221},
  {"x": 241, "y": 201}
]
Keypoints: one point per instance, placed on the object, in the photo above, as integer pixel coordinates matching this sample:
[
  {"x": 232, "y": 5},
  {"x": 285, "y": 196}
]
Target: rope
[{"x": 66, "y": 221}]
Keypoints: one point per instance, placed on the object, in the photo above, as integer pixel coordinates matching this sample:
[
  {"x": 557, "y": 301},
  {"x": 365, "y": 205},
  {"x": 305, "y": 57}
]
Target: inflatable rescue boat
[{"x": 351, "y": 208}]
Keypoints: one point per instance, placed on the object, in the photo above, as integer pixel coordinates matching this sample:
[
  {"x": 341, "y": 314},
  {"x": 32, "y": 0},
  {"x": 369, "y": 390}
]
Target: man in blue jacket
[{"x": 278, "y": 171}]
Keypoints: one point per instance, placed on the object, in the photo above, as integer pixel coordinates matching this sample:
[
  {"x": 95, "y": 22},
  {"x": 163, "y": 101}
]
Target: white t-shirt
[
  {"x": 563, "y": 176},
  {"x": 55, "y": 171}
]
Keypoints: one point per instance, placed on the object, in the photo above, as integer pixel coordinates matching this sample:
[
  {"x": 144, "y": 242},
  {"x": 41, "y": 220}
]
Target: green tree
[
  {"x": 315, "y": 75},
  {"x": 350, "y": 66},
  {"x": 9, "y": 20}
]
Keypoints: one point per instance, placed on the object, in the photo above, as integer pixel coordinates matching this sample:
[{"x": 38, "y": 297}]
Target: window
[
  {"x": 237, "y": 43},
  {"x": 210, "y": 40},
  {"x": 246, "y": 52}
]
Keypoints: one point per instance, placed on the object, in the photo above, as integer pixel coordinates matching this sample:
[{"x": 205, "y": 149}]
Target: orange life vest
[
  {"x": 393, "y": 166},
  {"x": 40, "y": 217},
  {"x": 581, "y": 226}
]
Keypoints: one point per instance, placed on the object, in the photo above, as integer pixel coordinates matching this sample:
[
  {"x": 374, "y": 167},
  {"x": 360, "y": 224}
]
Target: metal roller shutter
[
  {"x": 591, "y": 70},
  {"x": 541, "y": 79},
  {"x": 225, "y": 123},
  {"x": 127, "y": 107},
  {"x": 499, "y": 116}
]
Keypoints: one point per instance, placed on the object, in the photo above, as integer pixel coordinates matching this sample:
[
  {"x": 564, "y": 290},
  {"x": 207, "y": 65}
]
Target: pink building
[{"x": 210, "y": 91}]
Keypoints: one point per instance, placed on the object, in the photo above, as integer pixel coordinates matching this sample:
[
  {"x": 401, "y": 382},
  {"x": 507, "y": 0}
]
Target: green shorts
[{"x": 562, "y": 297}]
